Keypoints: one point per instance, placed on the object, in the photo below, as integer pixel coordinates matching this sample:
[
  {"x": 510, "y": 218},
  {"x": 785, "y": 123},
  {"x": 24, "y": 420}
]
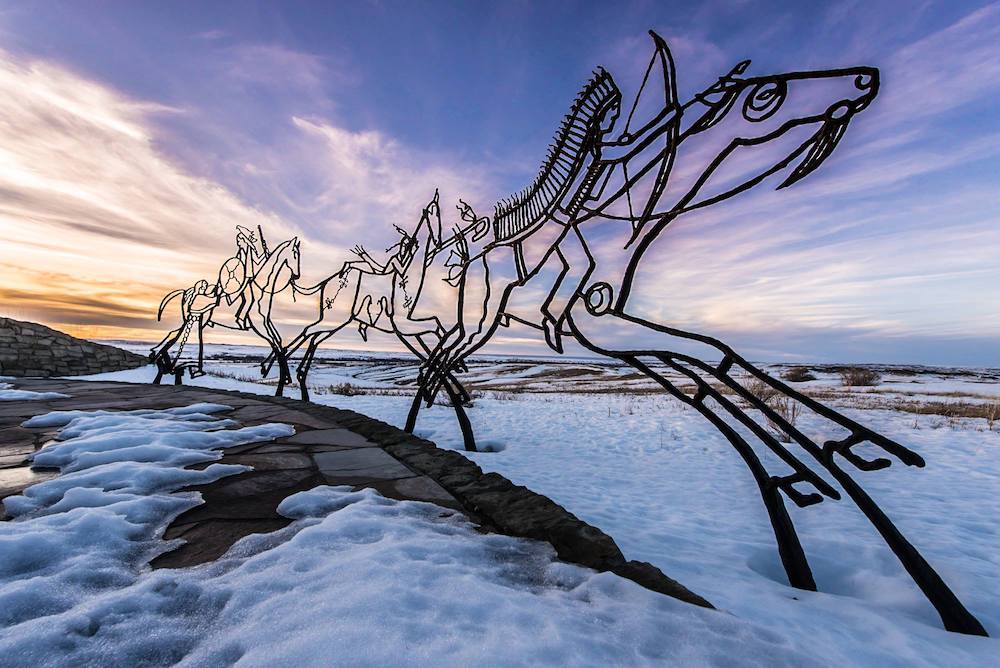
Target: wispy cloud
[
  {"x": 91, "y": 208},
  {"x": 946, "y": 69},
  {"x": 109, "y": 198},
  {"x": 97, "y": 224}
]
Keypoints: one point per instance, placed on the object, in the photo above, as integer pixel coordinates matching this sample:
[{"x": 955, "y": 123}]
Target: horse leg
[
  {"x": 468, "y": 437},
  {"x": 302, "y": 373},
  {"x": 290, "y": 349},
  {"x": 284, "y": 375},
  {"x": 162, "y": 366},
  {"x": 790, "y": 551},
  {"x": 953, "y": 613},
  {"x": 411, "y": 416},
  {"x": 199, "y": 369},
  {"x": 455, "y": 395},
  {"x": 164, "y": 343},
  {"x": 283, "y": 367},
  {"x": 162, "y": 355},
  {"x": 687, "y": 353},
  {"x": 463, "y": 394}
]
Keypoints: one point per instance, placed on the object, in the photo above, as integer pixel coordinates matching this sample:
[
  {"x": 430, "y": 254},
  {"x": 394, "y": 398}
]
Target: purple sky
[{"x": 136, "y": 135}]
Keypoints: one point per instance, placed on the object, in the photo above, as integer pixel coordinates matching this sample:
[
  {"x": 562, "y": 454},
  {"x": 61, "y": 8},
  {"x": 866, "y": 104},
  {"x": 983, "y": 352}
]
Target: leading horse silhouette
[
  {"x": 733, "y": 136},
  {"x": 253, "y": 305}
]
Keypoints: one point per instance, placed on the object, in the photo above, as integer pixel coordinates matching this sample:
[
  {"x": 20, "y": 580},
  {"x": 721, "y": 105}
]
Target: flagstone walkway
[{"x": 329, "y": 447}]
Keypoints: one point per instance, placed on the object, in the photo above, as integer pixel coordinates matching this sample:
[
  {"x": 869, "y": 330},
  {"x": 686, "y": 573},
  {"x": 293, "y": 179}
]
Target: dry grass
[
  {"x": 779, "y": 403},
  {"x": 352, "y": 390},
  {"x": 798, "y": 374},
  {"x": 759, "y": 389},
  {"x": 241, "y": 376},
  {"x": 860, "y": 377},
  {"x": 789, "y": 411},
  {"x": 992, "y": 414}
]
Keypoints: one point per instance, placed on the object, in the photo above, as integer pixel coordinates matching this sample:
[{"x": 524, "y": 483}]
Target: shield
[{"x": 232, "y": 276}]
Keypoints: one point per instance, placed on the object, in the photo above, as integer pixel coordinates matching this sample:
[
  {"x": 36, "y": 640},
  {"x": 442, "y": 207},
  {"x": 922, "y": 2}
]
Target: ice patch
[
  {"x": 88, "y": 531},
  {"x": 365, "y": 580},
  {"x": 8, "y": 394}
]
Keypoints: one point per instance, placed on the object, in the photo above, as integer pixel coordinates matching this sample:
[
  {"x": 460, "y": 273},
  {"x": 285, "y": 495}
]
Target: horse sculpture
[
  {"x": 247, "y": 282},
  {"x": 632, "y": 185},
  {"x": 373, "y": 295},
  {"x": 602, "y": 198}
]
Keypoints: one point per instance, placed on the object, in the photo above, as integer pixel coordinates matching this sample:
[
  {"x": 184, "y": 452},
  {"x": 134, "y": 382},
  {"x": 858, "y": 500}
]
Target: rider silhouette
[{"x": 251, "y": 252}]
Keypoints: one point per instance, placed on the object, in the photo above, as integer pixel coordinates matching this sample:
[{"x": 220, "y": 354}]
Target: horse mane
[
  {"x": 267, "y": 269},
  {"x": 562, "y": 164}
]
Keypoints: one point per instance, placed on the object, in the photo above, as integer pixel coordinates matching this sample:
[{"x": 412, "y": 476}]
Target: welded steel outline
[{"x": 574, "y": 193}]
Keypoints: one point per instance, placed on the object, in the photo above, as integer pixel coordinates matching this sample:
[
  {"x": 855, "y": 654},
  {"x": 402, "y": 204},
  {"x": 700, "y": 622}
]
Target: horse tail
[
  {"x": 166, "y": 300},
  {"x": 316, "y": 288},
  {"x": 308, "y": 291}
]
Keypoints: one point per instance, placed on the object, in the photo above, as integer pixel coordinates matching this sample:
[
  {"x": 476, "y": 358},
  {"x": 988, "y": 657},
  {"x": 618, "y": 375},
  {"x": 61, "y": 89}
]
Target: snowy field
[
  {"x": 394, "y": 585},
  {"x": 377, "y": 582}
]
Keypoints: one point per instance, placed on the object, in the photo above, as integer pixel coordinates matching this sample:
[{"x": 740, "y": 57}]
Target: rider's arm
[{"x": 630, "y": 144}]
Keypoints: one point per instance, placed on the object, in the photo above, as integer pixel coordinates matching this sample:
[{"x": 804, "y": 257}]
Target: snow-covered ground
[
  {"x": 358, "y": 579},
  {"x": 671, "y": 491},
  {"x": 8, "y": 393}
]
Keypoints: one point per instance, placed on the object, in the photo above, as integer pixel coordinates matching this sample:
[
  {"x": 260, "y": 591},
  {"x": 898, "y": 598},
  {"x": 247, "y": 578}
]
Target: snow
[
  {"x": 669, "y": 489},
  {"x": 9, "y": 394},
  {"x": 358, "y": 579},
  {"x": 82, "y": 535}
]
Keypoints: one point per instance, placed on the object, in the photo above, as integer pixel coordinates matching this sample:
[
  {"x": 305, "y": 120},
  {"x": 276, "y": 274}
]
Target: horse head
[
  {"x": 727, "y": 139},
  {"x": 431, "y": 218},
  {"x": 741, "y": 130},
  {"x": 286, "y": 255},
  {"x": 295, "y": 264}
]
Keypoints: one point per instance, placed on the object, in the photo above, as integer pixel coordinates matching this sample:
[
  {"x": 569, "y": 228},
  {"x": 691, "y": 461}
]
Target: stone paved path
[
  {"x": 330, "y": 446},
  {"x": 321, "y": 452}
]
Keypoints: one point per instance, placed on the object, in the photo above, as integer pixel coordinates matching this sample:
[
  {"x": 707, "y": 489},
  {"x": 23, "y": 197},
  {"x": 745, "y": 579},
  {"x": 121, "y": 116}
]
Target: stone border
[
  {"x": 28, "y": 349},
  {"x": 510, "y": 509},
  {"x": 489, "y": 499}
]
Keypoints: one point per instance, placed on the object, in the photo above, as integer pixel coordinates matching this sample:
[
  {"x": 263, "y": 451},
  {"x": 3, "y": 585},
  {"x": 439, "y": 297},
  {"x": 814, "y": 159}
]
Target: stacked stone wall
[{"x": 30, "y": 349}]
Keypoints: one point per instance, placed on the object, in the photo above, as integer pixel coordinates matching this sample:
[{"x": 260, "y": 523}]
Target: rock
[
  {"x": 362, "y": 463},
  {"x": 651, "y": 577},
  {"x": 30, "y": 349}
]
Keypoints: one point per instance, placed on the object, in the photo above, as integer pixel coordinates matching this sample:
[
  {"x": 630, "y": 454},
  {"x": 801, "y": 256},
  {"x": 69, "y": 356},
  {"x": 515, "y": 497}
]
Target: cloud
[
  {"x": 365, "y": 180},
  {"x": 212, "y": 35},
  {"x": 91, "y": 207},
  {"x": 97, "y": 223},
  {"x": 107, "y": 202},
  {"x": 274, "y": 65},
  {"x": 946, "y": 69}
]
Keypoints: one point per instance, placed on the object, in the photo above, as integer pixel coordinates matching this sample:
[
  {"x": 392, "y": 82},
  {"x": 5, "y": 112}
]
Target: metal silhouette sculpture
[
  {"x": 637, "y": 182},
  {"x": 384, "y": 295},
  {"x": 599, "y": 182},
  {"x": 247, "y": 281}
]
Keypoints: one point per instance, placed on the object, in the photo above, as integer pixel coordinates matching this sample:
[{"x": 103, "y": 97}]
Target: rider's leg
[
  {"x": 578, "y": 264},
  {"x": 488, "y": 284},
  {"x": 240, "y": 316}
]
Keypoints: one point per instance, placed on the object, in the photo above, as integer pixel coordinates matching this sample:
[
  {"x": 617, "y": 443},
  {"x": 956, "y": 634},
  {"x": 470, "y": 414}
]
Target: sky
[{"x": 134, "y": 137}]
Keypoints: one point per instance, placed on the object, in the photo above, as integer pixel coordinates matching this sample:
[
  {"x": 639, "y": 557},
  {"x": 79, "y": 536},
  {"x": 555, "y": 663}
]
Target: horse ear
[
  {"x": 662, "y": 51},
  {"x": 740, "y": 68}
]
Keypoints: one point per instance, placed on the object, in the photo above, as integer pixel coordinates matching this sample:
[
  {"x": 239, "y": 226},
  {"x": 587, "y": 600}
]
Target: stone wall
[{"x": 30, "y": 349}]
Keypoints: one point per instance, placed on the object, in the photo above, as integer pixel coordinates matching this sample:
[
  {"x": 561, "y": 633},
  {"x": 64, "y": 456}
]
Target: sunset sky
[{"x": 134, "y": 137}]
